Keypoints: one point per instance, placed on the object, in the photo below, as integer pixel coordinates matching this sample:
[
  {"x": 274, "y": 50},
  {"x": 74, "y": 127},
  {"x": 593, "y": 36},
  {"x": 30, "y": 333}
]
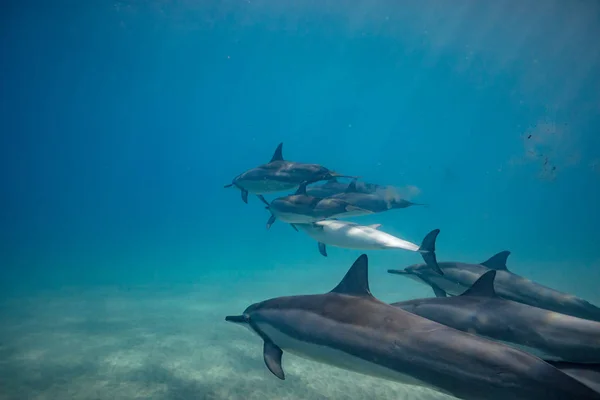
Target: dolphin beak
[
  {"x": 237, "y": 319},
  {"x": 398, "y": 272}
]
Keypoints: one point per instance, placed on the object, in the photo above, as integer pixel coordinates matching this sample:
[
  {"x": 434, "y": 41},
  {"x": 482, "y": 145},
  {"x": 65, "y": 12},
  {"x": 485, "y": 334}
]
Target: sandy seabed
[{"x": 156, "y": 343}]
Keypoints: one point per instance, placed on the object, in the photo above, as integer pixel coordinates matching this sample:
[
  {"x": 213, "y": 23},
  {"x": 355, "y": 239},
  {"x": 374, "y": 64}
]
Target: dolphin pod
[
  {"x": 302, "y": 208},
  {"x": 488, "y": 334},
  {"x": 349, "y": 328},
  {"x": 480, "y": 310},
  {"x": 459, "y": 276}
]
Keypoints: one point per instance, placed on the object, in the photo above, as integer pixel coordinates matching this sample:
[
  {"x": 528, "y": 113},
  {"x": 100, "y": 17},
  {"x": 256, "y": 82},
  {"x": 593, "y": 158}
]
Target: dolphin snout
[
  {"x": 398, "y": 272},
  {"x": 238, "y": 319}
]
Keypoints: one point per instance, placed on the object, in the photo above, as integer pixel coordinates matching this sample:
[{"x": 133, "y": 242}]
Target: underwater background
[{"x": 121, "y": 252}]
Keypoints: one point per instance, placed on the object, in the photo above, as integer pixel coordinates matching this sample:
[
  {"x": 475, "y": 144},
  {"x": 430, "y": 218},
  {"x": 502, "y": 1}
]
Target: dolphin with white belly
[
  {"x": 279, "y": 175},
  {"x": 301, "y": 208},
  {"x": 459, "y": 276},
  {"x": 546, "y": 334},
  {"x": 350, "y": 235},
  {"x": 350, "y": 329}
]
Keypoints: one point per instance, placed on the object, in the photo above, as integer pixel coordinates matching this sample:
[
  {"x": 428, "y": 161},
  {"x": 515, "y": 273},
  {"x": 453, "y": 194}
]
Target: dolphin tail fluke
[
  {"x": 427, "y": 251},
  {"x": 588, "y": 374}
]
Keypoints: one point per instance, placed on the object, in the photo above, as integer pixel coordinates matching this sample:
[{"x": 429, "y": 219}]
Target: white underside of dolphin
[
  {"x": 353, "y": 236},
  {"x": 350, "y": 235}
]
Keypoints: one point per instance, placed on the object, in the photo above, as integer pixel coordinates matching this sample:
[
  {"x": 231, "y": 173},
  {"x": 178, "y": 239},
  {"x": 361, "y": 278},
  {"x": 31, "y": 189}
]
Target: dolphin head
[
  {"x": 416, "y": 272},
  {"x": 245, "y": 319}
]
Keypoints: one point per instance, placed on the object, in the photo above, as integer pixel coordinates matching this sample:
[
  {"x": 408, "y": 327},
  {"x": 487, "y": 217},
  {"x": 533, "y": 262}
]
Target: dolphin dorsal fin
[
  {"x": 351, "y": 187},
  {"x": 374, "y": 226},
  {"x": 356, "y": 280},
  {"x": 483, "y": 287},
  {"x": 278, "y": 155},
  {"x": 497, "y": 261},
  {"x": 302, "y": 189}
]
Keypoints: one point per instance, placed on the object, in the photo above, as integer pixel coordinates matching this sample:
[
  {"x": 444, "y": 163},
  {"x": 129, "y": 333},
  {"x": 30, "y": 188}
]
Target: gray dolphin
[
  {"x": 333, "y": 187},
  {"x": 376, "y": 202},
  {"x": 546, "y": 334},
  {"x": 301, "y": 208},
  {"x": 459, "y": 276},
  {"x": 279, "y": 175},
  {"x": 349, "y": 328}
]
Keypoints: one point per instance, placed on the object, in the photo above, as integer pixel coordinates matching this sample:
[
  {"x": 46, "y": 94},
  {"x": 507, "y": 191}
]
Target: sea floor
[
  {"x": 143, "y": 343},
  {"x": 153, "y": 342}
]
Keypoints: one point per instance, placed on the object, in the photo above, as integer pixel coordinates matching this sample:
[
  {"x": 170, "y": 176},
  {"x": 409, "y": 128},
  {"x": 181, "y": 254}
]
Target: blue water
[{"x": 122, "y": 121}]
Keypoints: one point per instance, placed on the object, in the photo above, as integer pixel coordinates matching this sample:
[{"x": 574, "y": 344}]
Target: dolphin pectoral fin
[
  {"x": 427, "y": 250},
  {"x": 278, "y": 154},
  {"x": 245, "y": 196},
  {"x": 588, "y": 374},
  {"x": 295, "y": 228},
  {"x": 497, "y": 261},
  {"x": 438, "y": 291},
  {"x": 271, "y": 221},
  {"x": 483, "y": 286},
  {"x": 272, "y": 356},
  {"x": 323, "y": 249}
]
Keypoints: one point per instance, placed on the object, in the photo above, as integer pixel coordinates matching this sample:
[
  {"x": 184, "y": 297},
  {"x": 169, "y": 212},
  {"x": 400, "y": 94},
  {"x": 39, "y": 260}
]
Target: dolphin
[
  {"x": 376, "y": 202},
  {"x": 459, "y": 276},
  {"x": 349, "y": 328},
  {"x": 367, "y": 237},
  {"x": 546, "y": 334},
  {"x": 279, "y": 175},
  {"x": 301, "y": 208},
  {"x": 333, "y": 187}
]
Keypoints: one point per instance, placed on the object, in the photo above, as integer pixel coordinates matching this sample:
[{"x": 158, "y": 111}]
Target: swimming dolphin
[
  {"x": 333, "y": 187},
  {"x": 350, "y": 235},
  {"x": 300, "y": 208},
  {"x": 459, "y": 276},
  {"x": 376, "y": 202},
  {"x": 546, "y": 334},
  {"x": 279, "y": 175},
  {"x": 349, "y": 328}
]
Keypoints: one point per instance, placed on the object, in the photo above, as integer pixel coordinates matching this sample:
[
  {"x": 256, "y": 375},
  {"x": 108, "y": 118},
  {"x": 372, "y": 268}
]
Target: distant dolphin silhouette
[{"x": 376, "y": 202}]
